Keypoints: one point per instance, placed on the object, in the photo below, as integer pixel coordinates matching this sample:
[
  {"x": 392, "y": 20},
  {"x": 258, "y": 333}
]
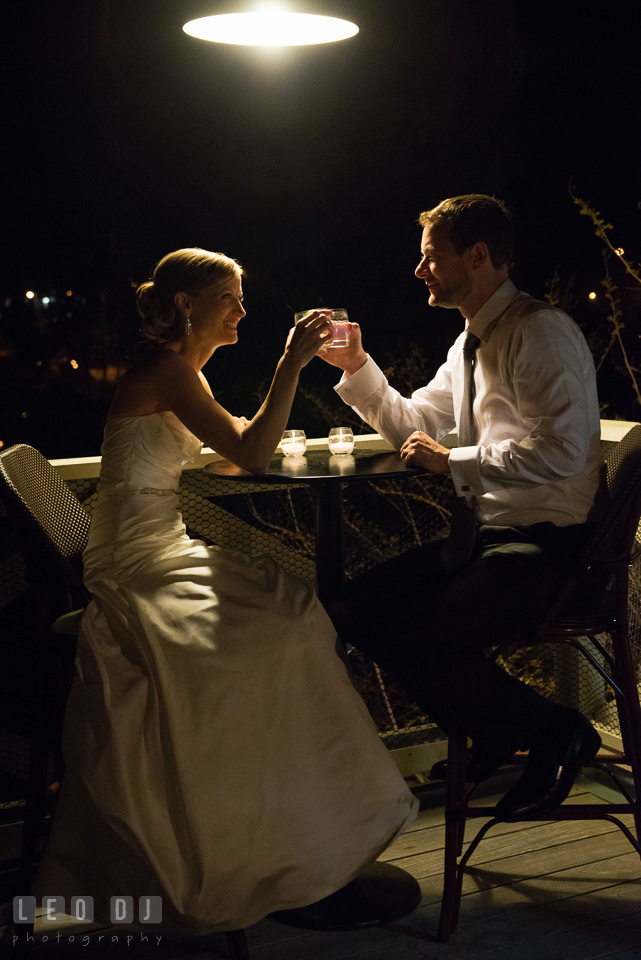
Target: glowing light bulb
[
  {"x": 270, "y": 28},
  {"x": 29, "y": 294},
  {"x": 74, "y": 364},
  {"x": 620, "y": 251},
  {"x": 592, "y": 296}
]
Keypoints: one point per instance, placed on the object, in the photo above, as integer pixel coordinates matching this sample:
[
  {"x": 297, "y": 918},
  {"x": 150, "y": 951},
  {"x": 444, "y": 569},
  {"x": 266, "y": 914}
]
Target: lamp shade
[{"x": 270, "y": 29}]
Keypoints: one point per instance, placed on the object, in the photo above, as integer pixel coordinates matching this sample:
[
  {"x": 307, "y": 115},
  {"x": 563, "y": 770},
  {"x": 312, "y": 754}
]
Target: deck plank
[
  {"x": 602, "y": 854},
  {"x": 633, "y": 954},
  {"x": 545, "y": 840},
  {"x": 556, "y": 890},
  {"x": 529, "y": 887},
  {"x": 326, "y": 946},
  {"x": 334, "y": 946},
  {"x": 430, "y": 834},
  {"x": 581, "y": 882},
  {"x": 576, "y": 928}
]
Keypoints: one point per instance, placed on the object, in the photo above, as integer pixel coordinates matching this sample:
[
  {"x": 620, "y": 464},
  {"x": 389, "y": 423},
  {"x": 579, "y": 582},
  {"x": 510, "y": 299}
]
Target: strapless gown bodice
[
  {"x": 217, "y": 754},
  {"x": 143, "y": 454},
  {"x": 138, "y": 501}
]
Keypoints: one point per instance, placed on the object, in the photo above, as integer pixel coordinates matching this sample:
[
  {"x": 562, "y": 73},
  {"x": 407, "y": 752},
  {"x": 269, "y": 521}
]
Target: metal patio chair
[
  {"x": 592, "y": 602},
  {"x": 52, "y": 529}
]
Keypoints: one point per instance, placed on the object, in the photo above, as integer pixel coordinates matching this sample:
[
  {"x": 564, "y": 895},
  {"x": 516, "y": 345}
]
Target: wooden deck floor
[{"x": 558, "y": 891}]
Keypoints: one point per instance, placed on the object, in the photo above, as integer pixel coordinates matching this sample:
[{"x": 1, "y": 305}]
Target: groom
[{"x": 519, "y": 386}]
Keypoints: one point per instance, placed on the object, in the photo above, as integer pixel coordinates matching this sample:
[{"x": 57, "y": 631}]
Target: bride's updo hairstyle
[{"x": 184, "y": 271}]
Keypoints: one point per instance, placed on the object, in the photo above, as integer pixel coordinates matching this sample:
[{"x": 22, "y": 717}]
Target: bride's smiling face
[{"x": 216, "y": 312}]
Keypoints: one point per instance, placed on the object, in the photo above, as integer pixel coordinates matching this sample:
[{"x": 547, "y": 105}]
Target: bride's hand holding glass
[{"x": 306, "y": 337}]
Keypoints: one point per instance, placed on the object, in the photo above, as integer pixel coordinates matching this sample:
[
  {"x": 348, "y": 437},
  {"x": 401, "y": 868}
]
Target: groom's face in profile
[{"x": 446, "y": 272}]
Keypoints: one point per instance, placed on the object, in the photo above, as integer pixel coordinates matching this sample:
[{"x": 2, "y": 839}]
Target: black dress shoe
[{"x": 555, "y": 759}]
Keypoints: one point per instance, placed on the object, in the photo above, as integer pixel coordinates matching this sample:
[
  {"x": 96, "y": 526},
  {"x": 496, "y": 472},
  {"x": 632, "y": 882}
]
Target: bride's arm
[{"x": 250, "y": 447}]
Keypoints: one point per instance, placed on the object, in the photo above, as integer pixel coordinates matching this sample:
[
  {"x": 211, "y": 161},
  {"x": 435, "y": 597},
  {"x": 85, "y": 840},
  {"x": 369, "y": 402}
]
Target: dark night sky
[{"x": 126, "y": 138}]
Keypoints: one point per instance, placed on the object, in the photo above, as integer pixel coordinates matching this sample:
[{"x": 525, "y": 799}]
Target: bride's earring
[{"x": 188, "y": 326}]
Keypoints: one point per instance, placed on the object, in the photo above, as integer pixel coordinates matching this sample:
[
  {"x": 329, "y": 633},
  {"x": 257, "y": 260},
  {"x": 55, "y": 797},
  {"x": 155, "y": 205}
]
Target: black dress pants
[{"x": 429, "y": 630}]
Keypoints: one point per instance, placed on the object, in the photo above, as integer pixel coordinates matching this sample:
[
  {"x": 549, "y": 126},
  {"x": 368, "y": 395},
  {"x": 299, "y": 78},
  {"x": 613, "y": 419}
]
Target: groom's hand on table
[{"x": 419, "y": 450}]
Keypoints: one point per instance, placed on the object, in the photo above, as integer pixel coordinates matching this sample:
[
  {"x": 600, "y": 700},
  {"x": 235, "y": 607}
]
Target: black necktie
[
  {"x": 458, "y": 547},
  {"x": 467, "y": 427}
]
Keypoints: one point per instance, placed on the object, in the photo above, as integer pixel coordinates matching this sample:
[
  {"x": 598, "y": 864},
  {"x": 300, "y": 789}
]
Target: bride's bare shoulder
[
  {"x": 157, "y": 362},
  {"x": 143, "y": 388}
]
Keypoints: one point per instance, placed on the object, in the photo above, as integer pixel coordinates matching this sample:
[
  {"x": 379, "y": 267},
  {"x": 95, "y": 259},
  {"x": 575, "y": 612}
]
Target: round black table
[{"x": 324, "y": 474}]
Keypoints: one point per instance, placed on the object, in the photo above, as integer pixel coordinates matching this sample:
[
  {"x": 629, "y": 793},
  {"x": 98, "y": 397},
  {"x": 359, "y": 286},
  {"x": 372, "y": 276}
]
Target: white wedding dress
[{"x": 217, "y": 754}]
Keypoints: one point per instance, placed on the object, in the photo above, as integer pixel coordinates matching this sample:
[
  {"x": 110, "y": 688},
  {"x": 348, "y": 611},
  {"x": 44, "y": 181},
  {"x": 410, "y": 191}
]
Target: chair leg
[
  {"x": 630, "y": 728},
  {"x": 629, "y": 710},
  {"x": 35, "y": 806},
  {"x": 237, "y": 945},
  {"x": 454, "y": 831}
]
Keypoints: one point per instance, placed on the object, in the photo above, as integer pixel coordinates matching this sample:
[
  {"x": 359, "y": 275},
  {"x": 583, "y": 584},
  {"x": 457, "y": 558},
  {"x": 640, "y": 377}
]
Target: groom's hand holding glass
[
  {"x": 419, "y": 450},
  {"x": 349, "y": 358}
]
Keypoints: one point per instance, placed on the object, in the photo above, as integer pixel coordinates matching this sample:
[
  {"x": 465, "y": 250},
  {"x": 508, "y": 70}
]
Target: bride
[{"x": 216, "y": 752}]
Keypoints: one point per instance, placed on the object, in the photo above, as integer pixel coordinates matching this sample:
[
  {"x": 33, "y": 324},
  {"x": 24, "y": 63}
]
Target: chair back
[
  {"x": 612, "y": 544},
  {"x": 616, "y": 531},
  {"x": 51, "y": 524}
]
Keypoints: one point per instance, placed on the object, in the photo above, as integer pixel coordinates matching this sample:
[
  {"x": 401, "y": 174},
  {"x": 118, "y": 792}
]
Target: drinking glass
[
  {"x": 340, "y": 326},
  {"x": 341, "y": 441},
  {"x": 294, "y": 443}
]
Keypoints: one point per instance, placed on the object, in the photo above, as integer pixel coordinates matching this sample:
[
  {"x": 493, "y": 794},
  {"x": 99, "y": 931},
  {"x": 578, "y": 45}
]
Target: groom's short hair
[{"x": 476, "y": 217}]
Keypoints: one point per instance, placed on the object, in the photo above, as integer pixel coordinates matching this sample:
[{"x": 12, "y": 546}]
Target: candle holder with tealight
[
  {"x": 341, "y": 441},
  {"x": 294, "y": 443}
]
